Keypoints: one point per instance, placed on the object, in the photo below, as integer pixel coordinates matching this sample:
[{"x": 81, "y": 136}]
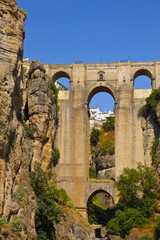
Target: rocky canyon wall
[{"x": 26, "y": 103}]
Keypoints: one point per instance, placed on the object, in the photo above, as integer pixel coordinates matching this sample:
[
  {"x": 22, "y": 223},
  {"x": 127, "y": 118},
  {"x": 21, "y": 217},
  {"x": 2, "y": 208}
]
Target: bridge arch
[
  {"x": 100, "y": 190},
  {"x": 96, "y": 88},
  {"x": 143, "y": 73},
  {"x": 104, "y": 210},
  {"x": 60, "y": 74},
  {"x": 92, "y": 91},
  {"x": 62, "y": 80}
]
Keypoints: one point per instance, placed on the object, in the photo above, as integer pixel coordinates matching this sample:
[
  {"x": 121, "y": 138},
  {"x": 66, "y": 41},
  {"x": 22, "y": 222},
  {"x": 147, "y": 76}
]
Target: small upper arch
[
  {"x": 142, "y": 79},
  {"x": 141, "y": 72},
  {"x": 60, "y": 74},
  {"x": 61, "y": 80}
]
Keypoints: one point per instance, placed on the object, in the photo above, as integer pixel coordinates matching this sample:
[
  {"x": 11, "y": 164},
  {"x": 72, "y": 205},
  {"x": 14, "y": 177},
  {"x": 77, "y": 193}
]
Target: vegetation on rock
[
  {"x": 48, "y": 198},
  {"x": 149, "y": 109},
  {"x": 92, "y": 172},
  {"x": 145, "y": 238},
  {"x": 124, "y": 221},
  {"x": 137, "y": 199},
  {"x": 108, "y": 148},
  {"x": 154, "y": 149},
  {"x": 104, "y": 142},
  {"x": 102, "y": 147},
  {"x": 29, "y": 130},
  {"x": 24, "y": 12},
  {"x": 94, "y": 138},
  {"x": 138, "y": 188},
  {"x": 108, "y": 125},
  {"x": 55, "y": 92},
  {"x": 19, "y": 195},
  {"x": 55, "y": 156},
  {"x": 3, "y": 221},
  {"x": 17, "y": 224}
]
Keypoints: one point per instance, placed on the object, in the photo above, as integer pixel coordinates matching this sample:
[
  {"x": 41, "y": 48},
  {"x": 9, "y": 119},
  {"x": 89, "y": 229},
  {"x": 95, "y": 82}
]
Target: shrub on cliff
[
  {"x": 29, "y": 131},
  {"x": 55, "y": 156},
  {"x": 108, "y": 148},
  {"x": 108, "y": 125},
  {"x": 149, "y": 109},
  {"x": 94, "y": 138}
]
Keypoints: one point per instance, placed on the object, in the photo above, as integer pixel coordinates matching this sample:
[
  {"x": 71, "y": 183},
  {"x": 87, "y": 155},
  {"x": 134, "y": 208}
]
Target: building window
[{"x": 101, "y": 76}]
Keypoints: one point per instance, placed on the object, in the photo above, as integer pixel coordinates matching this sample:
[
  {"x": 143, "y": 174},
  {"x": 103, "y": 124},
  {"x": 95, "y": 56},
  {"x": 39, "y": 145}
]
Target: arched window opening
[
  {"x": 101, "y": 76},
  {"x": 61, "y": 80},
  {"x": 100, "y": 208},
  {"x": 142, "y": 82},
  {"x": 102, "y": 137}
]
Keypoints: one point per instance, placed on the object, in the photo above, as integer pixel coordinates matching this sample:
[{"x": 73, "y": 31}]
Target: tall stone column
[
  {"x": 123, "y": 129},
  {"x": 72, "y": 142}
]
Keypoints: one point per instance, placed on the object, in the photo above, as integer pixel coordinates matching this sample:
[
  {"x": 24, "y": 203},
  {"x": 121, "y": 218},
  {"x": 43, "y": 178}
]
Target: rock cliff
[
  {"x": 17, "y": 202},
  {"x": 28, "y": 124}
]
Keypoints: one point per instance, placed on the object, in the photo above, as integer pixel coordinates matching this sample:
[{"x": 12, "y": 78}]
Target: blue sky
[{"x": 92, "y": 30}]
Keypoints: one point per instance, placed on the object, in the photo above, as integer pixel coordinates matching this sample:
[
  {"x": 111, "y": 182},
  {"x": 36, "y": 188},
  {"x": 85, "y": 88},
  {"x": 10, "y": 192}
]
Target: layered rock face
[
  {"x": 11, "y": 53},
  {"x": 17, "y": 202},
  {"x": 17, "y": 151},
  {"x": 40, "y": 113},
  {"x": 106, "y": 167}
]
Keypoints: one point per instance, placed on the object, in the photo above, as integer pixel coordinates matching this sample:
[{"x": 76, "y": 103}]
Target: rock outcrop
[
  {"x": 17, "y": 201},
  {"x": 40, "y": 113}
]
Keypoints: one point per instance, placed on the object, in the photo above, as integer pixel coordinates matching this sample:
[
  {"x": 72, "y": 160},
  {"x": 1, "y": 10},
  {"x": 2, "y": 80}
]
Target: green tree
[
  {"x": 138, "y": 189},
  {"x": 137, "y": 199},
  {"x": 94, "y": 138},
  {"x": 48, "y": 197},
  {"x": 108, "y": 125},
  {"x": 124, "y": 221}
]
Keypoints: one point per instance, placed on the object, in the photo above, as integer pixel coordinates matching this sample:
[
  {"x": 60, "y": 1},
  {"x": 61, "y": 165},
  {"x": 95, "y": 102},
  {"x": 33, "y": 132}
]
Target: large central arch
[{"x": 90, "y": 94}]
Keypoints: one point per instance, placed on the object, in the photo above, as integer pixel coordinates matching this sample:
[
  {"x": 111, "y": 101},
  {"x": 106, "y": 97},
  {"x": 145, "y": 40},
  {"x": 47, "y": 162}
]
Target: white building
[{"x": 96, "y": 114}]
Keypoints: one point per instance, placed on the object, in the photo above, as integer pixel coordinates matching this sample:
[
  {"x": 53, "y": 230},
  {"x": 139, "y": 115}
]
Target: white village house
[{"x": 97, "y": 117}]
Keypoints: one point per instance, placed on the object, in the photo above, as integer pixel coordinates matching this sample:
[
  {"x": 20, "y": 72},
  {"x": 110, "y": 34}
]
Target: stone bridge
[{"x": 86, "y": 80}]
